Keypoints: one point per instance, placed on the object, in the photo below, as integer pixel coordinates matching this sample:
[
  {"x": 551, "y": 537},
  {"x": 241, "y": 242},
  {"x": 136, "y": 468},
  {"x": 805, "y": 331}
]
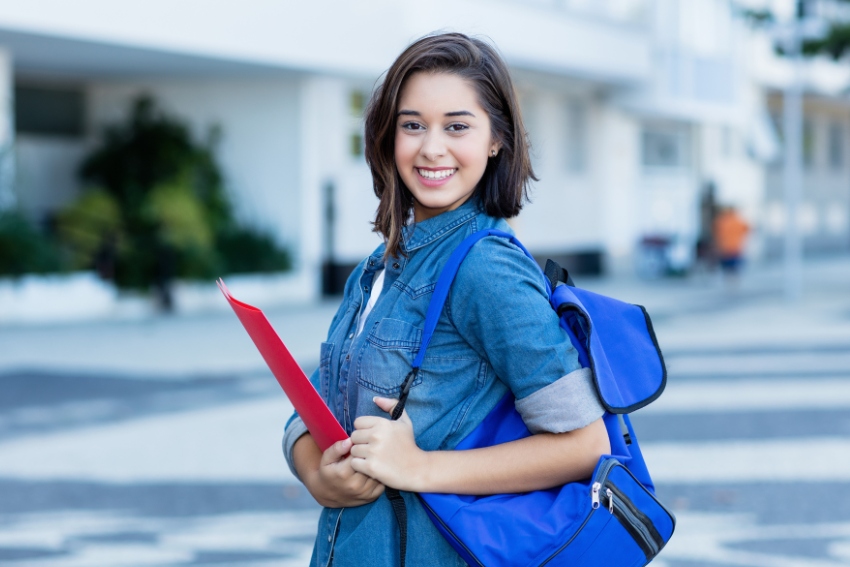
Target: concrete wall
[{"x": 334, "y": 37}]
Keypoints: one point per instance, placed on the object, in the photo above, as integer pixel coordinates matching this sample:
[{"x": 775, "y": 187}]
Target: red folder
[{"x": 316, "y": 415}]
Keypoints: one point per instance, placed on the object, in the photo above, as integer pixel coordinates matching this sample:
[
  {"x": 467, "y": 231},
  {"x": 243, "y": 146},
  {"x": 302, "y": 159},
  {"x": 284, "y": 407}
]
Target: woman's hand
[
  {"x": 386, "y": 450},
  {"x": 329, "y": 476}
]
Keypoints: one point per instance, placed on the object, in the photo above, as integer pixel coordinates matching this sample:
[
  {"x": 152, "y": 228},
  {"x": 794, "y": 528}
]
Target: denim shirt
[{"x": 497, "y": 333}]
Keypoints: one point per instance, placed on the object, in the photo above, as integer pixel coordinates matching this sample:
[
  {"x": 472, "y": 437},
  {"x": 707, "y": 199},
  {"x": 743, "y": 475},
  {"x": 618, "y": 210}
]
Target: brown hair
[{"x": 503, "y": 189}]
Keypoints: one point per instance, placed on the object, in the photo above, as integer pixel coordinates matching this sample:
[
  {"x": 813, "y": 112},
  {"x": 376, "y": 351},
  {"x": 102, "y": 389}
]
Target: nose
[{"x": 433, "y": 146}]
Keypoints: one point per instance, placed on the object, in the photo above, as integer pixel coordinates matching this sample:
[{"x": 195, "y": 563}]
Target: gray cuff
[
  {"x": 295, "y": 430},
  {"x": 569, "y": 403}
]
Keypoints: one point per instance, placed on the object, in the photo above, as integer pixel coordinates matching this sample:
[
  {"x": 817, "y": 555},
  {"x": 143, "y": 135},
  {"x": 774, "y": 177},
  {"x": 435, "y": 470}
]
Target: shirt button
[
  {"x": 347, "y": 357},
  {"x": 396, "y": 266},
  {"x": 351, "y": 336},
  {"x": 329, "y": 539},
  {"x": 366, "y": 288}
]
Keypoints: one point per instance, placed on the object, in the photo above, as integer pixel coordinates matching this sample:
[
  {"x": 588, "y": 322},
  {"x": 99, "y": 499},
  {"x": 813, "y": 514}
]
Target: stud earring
[{"x": 492, "y": 153}]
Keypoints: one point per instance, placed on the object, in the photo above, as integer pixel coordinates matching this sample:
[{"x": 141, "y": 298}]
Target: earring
[{"x": 492, "y": 153}]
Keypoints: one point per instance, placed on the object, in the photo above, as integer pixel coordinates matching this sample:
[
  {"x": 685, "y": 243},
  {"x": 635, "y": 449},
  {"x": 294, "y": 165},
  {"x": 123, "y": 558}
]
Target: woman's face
[{"x": 442, "y": 142}]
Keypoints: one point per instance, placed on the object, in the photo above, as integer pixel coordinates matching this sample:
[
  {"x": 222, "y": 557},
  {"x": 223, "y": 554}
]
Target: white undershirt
[{"x": 377, "y": 288}]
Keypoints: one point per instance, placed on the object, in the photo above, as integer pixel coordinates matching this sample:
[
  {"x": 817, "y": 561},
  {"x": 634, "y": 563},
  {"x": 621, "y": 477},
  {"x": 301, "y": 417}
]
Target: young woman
[{"x": 449, "y": 157}]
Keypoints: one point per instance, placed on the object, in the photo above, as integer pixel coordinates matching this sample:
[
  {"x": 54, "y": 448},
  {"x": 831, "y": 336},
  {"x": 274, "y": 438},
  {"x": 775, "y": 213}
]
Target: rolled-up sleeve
[
  {"x": 543, "y": 411},
  {"x": 295, "y": 428},
  {"x": 499, "y": 304}
]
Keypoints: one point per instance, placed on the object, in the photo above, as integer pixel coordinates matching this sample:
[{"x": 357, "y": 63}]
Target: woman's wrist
[{"x": 426, "y": 474}]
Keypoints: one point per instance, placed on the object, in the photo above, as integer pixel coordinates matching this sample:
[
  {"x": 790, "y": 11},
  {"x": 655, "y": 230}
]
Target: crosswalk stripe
[
  {"x": 770, "y": 460},
  {"x": 752, "y": 395}
]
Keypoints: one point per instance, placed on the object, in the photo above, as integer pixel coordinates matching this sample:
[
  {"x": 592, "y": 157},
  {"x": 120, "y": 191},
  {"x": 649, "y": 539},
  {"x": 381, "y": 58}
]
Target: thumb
[
  {"x": 388, "y": 404},
  {"x": 337, "y": 451}
]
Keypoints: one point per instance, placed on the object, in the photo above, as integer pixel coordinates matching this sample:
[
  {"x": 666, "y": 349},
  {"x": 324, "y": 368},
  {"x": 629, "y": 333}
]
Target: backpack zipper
[
  {"x": 449, "y": 531},
  {"x": 634, "y": 521}
]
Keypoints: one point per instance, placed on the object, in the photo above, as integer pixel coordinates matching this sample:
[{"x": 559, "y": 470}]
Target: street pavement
[{"x": 158, "y": 442}]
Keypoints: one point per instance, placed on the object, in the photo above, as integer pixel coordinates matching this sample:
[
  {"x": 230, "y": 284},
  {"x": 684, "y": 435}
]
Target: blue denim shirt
[{"x": 497, "y": 333}]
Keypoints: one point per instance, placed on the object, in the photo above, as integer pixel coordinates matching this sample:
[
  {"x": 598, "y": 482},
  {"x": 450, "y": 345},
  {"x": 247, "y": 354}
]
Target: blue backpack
[{"x": 610, "y": 519}]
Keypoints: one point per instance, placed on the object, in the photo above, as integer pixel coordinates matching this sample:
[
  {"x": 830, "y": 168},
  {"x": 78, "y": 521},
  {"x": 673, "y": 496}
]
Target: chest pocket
[{"x": 387, "y": 355}]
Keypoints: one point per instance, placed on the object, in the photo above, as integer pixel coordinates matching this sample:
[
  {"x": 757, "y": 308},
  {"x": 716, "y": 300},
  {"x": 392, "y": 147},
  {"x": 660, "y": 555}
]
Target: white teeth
[{"x": 441, "y": 174}]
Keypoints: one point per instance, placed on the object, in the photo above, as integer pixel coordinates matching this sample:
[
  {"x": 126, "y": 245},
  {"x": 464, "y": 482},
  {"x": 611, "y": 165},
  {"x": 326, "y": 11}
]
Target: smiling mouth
[{"x": 436, "y": 175}]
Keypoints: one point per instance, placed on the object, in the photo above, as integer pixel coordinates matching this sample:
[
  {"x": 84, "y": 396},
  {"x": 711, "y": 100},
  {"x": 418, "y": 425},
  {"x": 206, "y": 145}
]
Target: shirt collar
[{"x": 419, "y": 234}]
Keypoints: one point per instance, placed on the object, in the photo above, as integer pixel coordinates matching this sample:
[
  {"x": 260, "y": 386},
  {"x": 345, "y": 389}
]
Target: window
[
  {"x": 577, "y": 137},
  {"x": 836, "y": 146},
  {"x": 49, "y": 111},
  {"x": 356, "y": 108},
  {"x": 665, "y": 146}
]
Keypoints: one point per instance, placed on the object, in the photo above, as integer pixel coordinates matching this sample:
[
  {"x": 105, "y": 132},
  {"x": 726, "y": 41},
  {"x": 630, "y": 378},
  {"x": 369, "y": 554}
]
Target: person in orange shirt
[{"x": 730, "y": 234}]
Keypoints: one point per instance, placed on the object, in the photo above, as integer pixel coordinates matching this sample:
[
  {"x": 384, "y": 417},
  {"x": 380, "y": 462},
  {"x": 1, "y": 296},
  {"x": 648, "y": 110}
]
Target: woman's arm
[
  {"x": 329, "y": 477},
  {"x": 386, "y": 450}
]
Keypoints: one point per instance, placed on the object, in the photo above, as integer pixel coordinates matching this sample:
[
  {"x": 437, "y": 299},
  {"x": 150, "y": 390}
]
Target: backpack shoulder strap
[{"x": 444, "y": 283}]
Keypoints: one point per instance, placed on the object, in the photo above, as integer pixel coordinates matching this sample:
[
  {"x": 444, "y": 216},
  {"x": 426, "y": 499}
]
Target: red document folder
[{"x": 316, "y": 415}]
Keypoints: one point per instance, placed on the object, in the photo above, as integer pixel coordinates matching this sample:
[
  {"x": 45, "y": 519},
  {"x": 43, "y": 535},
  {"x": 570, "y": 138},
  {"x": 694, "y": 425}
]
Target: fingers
[
  {"x": 336, "y": 452},
  {"x": 361, "y": 465},
  {"x": 367, "y": 421}
]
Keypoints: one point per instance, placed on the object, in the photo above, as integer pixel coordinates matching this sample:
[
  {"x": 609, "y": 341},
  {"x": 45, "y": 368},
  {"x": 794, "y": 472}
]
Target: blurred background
[{"x": 693, "y": 155}]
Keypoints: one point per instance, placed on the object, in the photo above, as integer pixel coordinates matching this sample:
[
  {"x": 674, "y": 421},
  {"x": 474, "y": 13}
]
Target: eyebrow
[{"x": 453, "y": 113}]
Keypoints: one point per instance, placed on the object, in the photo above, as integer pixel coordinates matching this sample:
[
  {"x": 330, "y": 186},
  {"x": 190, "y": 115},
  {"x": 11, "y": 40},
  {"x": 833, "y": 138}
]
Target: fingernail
[{"x": 346, "y": 443}]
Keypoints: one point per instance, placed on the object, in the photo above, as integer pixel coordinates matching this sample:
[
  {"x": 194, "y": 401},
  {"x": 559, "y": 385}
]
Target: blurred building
[{"x": 634, "y": 107}]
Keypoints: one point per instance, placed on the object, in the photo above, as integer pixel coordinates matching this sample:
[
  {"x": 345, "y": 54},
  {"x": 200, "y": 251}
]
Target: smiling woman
[
  {"x": 442, "y": 143},
  {"x": 448, "y": 154}
]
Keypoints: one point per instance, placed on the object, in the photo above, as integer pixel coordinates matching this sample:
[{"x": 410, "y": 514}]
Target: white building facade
[{"x": 633, "y": 108}]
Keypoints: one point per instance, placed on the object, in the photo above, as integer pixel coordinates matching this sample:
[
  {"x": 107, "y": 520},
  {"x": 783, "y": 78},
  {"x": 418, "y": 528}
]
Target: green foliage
[
  {"x": 175, "y": 218},
  {"x": 179, "y": 215},
  {"x": 835, "y": 44},
  {"x": 250, "y": 251},
  {"x": 758, "y": 18},
  {"x": 24, "y": 249},
  {"x": 87, "y": 225}
]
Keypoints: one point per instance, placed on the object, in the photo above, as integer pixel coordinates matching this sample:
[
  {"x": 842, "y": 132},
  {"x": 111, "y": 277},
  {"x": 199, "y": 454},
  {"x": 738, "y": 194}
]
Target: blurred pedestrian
[
  {"x": 705, "y": 254},
  {"x": 730, "y": 234},
  {"x": 448, "y": 153}
]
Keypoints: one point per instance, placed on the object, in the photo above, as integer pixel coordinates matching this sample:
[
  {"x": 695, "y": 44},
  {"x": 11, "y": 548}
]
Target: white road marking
[
  {"x": 752, "y": 395},
  {"x": 238, "y": 442},
  {"x": 705, "y": 537},
  {"x": 177, "y": 540},
  {"x": 771, "y": 460},
  {"x": 743, "y": 363}
]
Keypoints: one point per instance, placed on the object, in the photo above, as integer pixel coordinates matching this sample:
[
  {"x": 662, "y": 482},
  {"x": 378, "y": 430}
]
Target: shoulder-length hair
[{"x": 503, "y": 189}]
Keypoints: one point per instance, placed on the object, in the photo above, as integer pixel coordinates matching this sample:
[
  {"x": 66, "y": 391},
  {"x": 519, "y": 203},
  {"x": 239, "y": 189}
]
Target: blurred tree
[
  {"x": 91, "y": 229},
  {"x": 174, "y": 218},
  {"x": 836, "y": 40},
  {"x": 24, "y": 249}
]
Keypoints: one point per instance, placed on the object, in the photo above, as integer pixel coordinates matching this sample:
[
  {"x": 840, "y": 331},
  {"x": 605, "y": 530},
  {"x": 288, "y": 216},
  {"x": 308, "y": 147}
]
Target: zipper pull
[
  {"x": 594, "y": 495},
  {"x": 610, "y": 496}
]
